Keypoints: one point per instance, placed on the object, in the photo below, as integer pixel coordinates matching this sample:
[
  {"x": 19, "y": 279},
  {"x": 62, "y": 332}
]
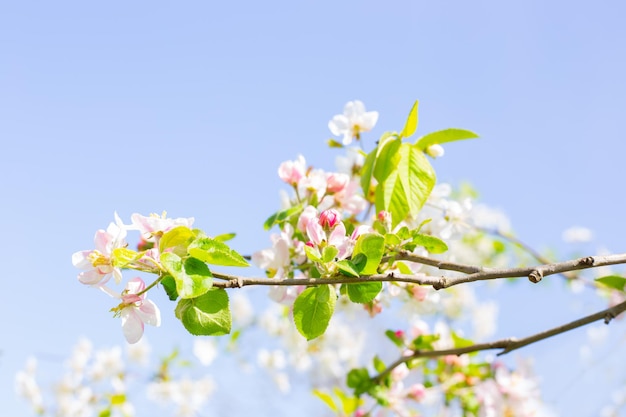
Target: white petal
[
  {"x": 339, "y": 125},
  {"x": 368, "y": 120},
  {"x": 149, "y": 313},
  {"x": 132, "y": 326}
]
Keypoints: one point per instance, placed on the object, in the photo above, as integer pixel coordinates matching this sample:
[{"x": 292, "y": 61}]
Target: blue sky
[{"x": 190, "y": 107}]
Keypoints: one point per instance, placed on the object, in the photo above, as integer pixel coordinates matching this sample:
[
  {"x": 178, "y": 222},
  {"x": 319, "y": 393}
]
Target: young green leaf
[
  {"x": 363, "y": 292},
  {"x": 359, "y": 380},
  {"x": 192, "y": 276},
  {"x": 348, "y": 268},
  {"x": 282, "y": 216},
  {"x": 367, "y": 172},
  {"x": 431, "y": 243},
  {"x": 207, "y": 315},
  {"x": 225, "y": 237},
  {"x": 398, "y": 341},
  {"x": 328, "y": 400},
  {"x": 329, "y": 253},
  {"x": 443, "y": 136},
  {"x": 387, "y": 157},
  {"x": 411, "y": 122},
  {"x": 613, "y": 281},
  {"x": 215, "y": 252},
  {"x": 122, "y": 257},
  {"x": 177, "y": 238},
  {"x": 313, "y": 254},
  {"x": 313, "y": 309},
  {"x": 406, "y": 189},
  {"x": 372, "y": 246},
  {"x": 169, "y": 285}
]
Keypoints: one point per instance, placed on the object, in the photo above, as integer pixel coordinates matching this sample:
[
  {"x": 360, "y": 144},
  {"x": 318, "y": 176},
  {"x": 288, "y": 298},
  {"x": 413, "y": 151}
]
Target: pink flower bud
[
  {"x": 329, "y": 218},
  {"x": 417, "y": 392},
  {"x": 399, "y": 334},
  {"x": 292, "y": 171},
  {"x": 336, "y": 182}
]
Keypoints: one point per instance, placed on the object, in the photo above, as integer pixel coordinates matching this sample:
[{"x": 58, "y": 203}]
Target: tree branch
[
  {"x": 473, "y": 273},
  {"x": 510, "y": 344}
]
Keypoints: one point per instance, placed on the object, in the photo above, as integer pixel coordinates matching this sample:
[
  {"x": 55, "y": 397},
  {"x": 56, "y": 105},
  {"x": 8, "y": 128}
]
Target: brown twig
[
  {"x": 510, "y": 344},
  {"x": 473, "y": 273}
]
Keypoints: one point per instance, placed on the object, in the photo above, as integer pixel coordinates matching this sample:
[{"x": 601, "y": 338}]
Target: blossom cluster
[{"x": 106, "y": 261}]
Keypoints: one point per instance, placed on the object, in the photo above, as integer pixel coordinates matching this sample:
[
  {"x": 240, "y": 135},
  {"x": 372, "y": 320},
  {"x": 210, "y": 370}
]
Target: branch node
[
  {"x": 440, "y": 284},
  {"x": 608, "y": 317},
  {"x": 588, "y": 261},
  {"x": 236, "y": 283},
  {"x": 535, "y": 276}
]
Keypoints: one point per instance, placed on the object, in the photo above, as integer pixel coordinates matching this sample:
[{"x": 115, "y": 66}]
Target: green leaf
[
  {"x": 329, "y": 253},
  {"x": 460, "y": 342},
  {"x": 192, "y": 276},
  {"x": 122, "y": 257},
  {"x": 431, "y": 243},
  {"x": 207, "y": 315},
  {"x": 443, "y": 136},
  {"x": 332, "y": 143},
  {"x": 169, "y": 285},
  {"x": 348, "y": 403},
  {"x": 282, "y": 216},
  {"x": 379, "y": 365},
  {"x": 613, "y": 281},
  {"x": 215, "y": 252},
  {"x": 404, "y": 268},
  {"x": 387, "y": 157},
  {"x": 372, "y": 246},
  {"x": 406, "y": 189},
  {"x": 328, "y": 400},
  {"x": 367, "y": 171},
  {"x": 178, "y": 238},
  {"x": 394, "y": 338},
  {"x": 359, "y": 380},
  {"x": 313, "y": 254},
  {"x": 225, "y": 237},
  {"x": 424, "y": 342},
  {"x": 364, "y": 292},
  {"x": 313, "y": 309},
  {"x": 347, "y": 267},
  {"x": 411, "y": 122},
  {"x": 392, "y": 240}
]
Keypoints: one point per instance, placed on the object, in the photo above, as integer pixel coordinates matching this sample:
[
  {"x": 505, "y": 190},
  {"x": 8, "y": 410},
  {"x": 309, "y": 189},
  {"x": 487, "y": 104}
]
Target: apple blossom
[
  {"x": 336, "y": 181},
  {"x": 152, "y": 227},
  {"x": 329, "y": 219},
  {"x": 97, "y": 263},
  {"x": 353, "y": 121},
  {"x": 292, "y": 171},
  {"x": 135, "y": 310}
]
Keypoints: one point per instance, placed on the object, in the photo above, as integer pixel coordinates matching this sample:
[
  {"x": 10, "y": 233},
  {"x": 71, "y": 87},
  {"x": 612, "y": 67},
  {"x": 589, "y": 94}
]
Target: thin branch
[
  {"x": 510, "y": 344},
  {"x": 473, "y": 273}
]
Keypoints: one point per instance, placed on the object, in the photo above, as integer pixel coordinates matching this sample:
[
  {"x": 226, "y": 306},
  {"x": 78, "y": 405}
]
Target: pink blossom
[
  {"x": 314, "y": 183},
  {"x": 135, "y": 310},
  {"x": 309, "y": 213},
  {"x": 350, "y": 198},
  {"x": 292, "y": 171},
  {"x": 336, "y": 182},
  {"x": 416, "y": 392},
  {"x": 329, "y": 218},
  {"x": 97, "y": 263},
  {"x": 152, "y": 227},
  {"x": 361, "y": 230}
]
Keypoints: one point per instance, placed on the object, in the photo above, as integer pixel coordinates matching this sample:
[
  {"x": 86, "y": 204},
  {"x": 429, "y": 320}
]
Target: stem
[{"x": 510, "y": 344}]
